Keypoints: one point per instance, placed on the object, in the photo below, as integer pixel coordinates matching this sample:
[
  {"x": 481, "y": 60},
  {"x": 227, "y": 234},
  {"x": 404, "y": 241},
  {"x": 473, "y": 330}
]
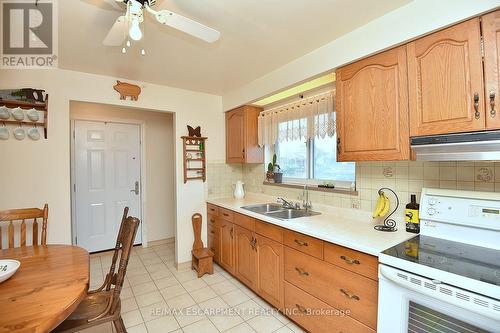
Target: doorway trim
[{"x": 142, "y": 128}]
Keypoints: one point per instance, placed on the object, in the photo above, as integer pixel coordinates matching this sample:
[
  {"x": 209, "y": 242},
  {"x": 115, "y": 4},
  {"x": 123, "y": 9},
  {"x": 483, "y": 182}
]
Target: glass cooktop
[{"x": 471, "y": 261}]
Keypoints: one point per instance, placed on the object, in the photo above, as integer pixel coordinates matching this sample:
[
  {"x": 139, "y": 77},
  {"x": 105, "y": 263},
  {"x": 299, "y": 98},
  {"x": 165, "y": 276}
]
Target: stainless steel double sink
[{"x": 279, "y": 212}]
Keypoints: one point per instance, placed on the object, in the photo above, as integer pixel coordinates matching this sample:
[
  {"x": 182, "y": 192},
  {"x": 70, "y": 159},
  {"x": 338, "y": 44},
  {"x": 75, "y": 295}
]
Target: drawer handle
[
  {"x": 476, "y": 106},
  {"x": 212, "y": 220},
  {"x": 212, "y": 232},
  {"x": 301, "y": 308},
  {"x": 350, "y": 261},
  {"x": 301, "y": 243},
  {"x": 349, "y": 295},
  {"x": 493, "y": 112},
  {"x": 301, "y": 271},
  {"x": 225, "y": 214}
]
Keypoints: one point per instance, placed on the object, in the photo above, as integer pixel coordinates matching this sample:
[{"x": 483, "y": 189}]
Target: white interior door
[{"x": 107, "y": 172}]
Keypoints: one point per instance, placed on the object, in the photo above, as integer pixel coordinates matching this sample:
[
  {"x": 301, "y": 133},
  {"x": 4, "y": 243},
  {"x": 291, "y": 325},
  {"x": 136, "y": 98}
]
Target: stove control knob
[
  {"x": 431, "y": 211},
  {"x": 432, "y": 201}
]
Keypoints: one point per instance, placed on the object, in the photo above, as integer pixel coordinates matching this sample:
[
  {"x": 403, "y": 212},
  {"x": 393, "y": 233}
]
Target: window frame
[{"x": 310, "y": 180}]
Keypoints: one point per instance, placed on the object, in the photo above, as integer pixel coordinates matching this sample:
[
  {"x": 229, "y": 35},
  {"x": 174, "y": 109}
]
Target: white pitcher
[{"x": 239, "y": 192}]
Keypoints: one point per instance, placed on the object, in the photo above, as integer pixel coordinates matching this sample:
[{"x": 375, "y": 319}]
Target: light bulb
[
  {"x": 128, "y": 43},
  {"x": 143, "y": 52},
  {"x": 124, "y": 50},
  {"x": 135, "y": 30}
]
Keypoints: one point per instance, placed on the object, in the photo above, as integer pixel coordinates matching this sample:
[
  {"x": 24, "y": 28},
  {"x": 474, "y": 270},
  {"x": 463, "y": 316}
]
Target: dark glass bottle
[{"x": 412, "y": 217}]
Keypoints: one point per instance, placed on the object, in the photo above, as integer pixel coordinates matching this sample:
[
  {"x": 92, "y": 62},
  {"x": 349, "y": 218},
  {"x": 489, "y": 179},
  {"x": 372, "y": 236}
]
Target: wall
[
  {"x": 159, "y": 159},
  {"x": 39, "y": 172},
  {"x": 417, "y": 18},
  {"x": 404, "y": 177}
]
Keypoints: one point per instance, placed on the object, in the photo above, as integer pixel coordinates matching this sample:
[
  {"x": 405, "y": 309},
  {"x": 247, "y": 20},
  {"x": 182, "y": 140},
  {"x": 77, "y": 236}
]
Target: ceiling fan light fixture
[{"x": 135, "y": 30}]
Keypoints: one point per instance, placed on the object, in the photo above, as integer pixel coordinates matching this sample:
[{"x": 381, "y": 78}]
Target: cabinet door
[
  {"x": 226, "y": 254},
  {"x": 445, "y": 78},
  {"x": 491, "y": 36},
  {"x": 270, "y": 271},
  {"x": 372, "y": 108},
  {"x": 245, "y": 261},
  {"x": 235, "y": 136}
]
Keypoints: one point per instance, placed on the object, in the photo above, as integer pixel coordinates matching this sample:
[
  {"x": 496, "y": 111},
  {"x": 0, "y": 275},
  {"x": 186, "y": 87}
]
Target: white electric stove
[{"x": 447, "y": 279}]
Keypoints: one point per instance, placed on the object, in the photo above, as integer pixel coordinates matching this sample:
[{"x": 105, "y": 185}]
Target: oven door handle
[{"x": 391, "y": 274}]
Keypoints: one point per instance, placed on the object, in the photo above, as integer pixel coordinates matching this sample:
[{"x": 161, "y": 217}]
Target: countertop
[{"x": 351, "y": 228}]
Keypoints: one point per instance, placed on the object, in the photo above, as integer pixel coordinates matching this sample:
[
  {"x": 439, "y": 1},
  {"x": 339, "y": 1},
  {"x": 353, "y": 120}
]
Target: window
[{"x": 314, "y": 161}]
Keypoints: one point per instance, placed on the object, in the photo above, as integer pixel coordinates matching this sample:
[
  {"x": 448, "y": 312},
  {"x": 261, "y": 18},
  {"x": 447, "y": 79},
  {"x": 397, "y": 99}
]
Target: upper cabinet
[
  {"x": 491, "y": 37},
  {"x": 445, "y": 76},
  {"x": 372, "y": 108},
  {"x": 242, "y": 136}
]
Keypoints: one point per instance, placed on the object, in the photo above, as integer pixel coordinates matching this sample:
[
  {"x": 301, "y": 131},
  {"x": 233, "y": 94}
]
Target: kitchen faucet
[
  {"x": 288, "y": 204},
  {"x": 306, "y": 204}
]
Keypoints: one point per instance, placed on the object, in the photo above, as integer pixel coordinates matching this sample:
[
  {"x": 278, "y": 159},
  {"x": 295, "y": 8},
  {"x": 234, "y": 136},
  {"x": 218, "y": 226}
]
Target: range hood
[{"x": 476, "y": 146}]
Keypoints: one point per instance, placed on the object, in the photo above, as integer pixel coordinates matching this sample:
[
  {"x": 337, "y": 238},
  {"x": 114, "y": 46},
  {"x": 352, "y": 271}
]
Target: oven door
[{"x": 410, "y": 303}]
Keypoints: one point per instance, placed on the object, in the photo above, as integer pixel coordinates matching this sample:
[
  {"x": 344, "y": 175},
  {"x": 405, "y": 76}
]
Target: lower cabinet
[
  {"x": 323, "y": 287},
  {"x": 245, "y": 263},
  {"x": 226, "y": 249},
  {"x": 270, "y": 270},
  {"x": 317, "y": 316}
]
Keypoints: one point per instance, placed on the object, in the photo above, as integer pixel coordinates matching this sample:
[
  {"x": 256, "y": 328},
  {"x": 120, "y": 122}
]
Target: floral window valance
[{"x": 306, "y": 119}]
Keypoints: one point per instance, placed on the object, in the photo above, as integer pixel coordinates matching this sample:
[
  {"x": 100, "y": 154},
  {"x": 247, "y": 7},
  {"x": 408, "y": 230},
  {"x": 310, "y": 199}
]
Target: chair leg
[{"x": 119, "y": 325}]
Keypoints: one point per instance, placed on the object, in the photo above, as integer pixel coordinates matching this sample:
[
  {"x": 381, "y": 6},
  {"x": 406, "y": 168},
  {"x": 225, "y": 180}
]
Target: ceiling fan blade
[
  {"x": 116, "y": 36},
  {"x": 187, "y": 25}
]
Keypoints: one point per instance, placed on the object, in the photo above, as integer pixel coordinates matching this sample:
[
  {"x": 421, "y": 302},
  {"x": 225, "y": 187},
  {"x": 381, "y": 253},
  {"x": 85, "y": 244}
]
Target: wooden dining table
[{"x": 48, "y": 286}]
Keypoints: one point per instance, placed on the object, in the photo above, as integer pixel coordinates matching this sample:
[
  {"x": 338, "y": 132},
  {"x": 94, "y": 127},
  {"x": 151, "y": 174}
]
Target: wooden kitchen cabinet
[
  {"x": 269, "y": 259},
  {"x": 445, "y": 77},
  {"x": 491, "y": 37},
  {"x": 246, "y": 259},
  {"x": 226, "y": 248},
  {"x": 372, "y": 108},
  {"x": 242, "y": 136}
]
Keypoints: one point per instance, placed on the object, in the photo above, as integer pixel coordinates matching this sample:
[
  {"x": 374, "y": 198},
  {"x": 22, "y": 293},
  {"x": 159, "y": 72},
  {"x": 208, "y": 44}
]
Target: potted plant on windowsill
[{"x": 274, "y": 173}]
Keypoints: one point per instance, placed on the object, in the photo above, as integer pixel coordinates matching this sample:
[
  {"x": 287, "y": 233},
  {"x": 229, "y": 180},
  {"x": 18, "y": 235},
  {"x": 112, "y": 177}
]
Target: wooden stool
[{"x": 202, "y": 257}]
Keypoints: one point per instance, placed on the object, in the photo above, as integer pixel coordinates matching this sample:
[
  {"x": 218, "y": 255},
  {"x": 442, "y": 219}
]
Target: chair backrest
[
  {"x": 23, "y": 215},
  {"x": 196, "y": 220},
  {"x": 125, "y": 242}
]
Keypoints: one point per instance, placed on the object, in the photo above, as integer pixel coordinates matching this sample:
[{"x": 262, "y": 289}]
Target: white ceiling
[{"x": 257, "y": 37}]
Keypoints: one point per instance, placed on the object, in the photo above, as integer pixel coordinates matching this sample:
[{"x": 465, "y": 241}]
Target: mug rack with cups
[{"x": 21, "y": 119}]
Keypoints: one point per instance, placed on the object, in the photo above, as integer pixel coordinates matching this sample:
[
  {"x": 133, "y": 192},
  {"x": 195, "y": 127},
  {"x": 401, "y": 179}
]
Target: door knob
[{"x": 136, "y": 188}]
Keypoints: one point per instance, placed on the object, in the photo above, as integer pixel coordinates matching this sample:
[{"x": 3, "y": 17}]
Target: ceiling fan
[{"x": 129, "y": 24}]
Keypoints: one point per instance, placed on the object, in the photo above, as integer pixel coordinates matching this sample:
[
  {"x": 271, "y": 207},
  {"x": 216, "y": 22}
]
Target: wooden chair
[
  {"x": 103, "y": 304},
  {"x": 22, "y": 215},
  {"x": 202, "y": 257}
]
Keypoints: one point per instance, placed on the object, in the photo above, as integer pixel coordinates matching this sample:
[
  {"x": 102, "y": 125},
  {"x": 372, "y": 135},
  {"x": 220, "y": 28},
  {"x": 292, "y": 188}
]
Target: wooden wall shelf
[
  {"x": 41, "y": 107},
  {"x": 195, "y": 164}
]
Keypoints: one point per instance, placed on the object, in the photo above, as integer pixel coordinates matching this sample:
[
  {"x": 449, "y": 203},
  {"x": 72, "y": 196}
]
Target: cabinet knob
[
  {"x": 476, "y": 105},
  {"x": 493, "y": 112},
  {"x": 301, "y": 308}
]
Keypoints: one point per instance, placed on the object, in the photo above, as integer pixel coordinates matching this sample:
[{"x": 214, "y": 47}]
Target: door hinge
[
  {"x": 482, "y": 47},
  {"x": 76, "y": 240},
  {"x": 74, "y": 134},
  {"x": 74, "y": 187}
]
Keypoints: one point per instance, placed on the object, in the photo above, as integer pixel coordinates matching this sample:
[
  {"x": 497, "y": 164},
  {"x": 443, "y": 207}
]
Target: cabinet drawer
[
  {"x": 303, "y": 243},
  {"x": 244, "y": 221},
  {"x": 212, "y": 210},
  {"x": 213, "y": 230},
  {"x": 213, "y": 245},
  {"x": 270, "y": 231},
  {"x": 336, "y": 286},
  {"x": 226, "y": 214},
  {"x": 213, "y": 220},
  {"x": 317, "y": 316},
  {"x": 351, "y": 260}
]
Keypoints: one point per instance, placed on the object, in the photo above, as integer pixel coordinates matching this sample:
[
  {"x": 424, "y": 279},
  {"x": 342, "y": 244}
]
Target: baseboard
[
  {"x": 183, "y": 265},
  {"x": 170, "y": 240}
]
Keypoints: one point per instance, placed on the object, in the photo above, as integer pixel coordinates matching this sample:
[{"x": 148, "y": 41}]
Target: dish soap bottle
[{"x": 412, "y": 217}]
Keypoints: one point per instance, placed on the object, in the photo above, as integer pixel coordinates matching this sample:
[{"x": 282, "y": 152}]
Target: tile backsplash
[{"x": 405, "y": 177}]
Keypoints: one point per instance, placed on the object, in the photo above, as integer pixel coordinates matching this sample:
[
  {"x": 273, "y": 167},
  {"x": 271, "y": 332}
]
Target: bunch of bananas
[{"x": 383, "y": 205}]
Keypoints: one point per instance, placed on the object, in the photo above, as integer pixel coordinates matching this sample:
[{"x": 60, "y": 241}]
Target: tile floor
[{"x": 159, "y": 298}]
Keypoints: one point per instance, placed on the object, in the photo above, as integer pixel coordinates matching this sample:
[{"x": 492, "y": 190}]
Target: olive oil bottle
[{"x": 412, "y": 217}]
